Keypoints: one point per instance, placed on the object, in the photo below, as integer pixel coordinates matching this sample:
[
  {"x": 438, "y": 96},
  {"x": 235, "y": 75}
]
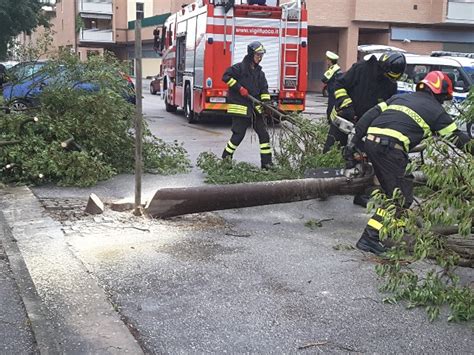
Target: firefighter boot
[
  {"x": 364, "y": 198},
  {"x": 266, "y": 160},
  {"x": 361, "y": 200},
  {"x": 266, "y": 156},
  {"x": 369, "y": 241},
  {"x": 229, "y": 150},
  {"x": 226, "y": 155}
]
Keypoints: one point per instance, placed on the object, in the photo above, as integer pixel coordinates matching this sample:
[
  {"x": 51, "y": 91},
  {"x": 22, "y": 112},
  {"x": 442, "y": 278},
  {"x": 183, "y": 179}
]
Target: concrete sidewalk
[{"x": 68, "y": 311}]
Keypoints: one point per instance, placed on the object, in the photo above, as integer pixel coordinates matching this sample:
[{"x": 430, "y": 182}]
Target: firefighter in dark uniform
[
  {"x": 243, "y": 79},
  {"x": 364, "y": 85},
  {"x": 329, "y": 78},
  {"x": 394, "y": 127}
]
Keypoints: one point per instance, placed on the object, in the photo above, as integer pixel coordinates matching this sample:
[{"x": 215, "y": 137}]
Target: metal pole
[{"x": 138, "y": 114}]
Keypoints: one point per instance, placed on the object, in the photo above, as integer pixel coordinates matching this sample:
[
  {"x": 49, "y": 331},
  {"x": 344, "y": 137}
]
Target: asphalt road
[{"x": 252, "y": 280}]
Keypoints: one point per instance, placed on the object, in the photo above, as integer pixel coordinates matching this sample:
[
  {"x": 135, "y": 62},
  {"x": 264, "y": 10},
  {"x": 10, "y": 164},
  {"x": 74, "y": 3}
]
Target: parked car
[
  {"x": 155, "y": 85},
  {"x": 9, "y": 64},
  {"x": 30, "y": 78},
  {"x": 365, "y": 49}
]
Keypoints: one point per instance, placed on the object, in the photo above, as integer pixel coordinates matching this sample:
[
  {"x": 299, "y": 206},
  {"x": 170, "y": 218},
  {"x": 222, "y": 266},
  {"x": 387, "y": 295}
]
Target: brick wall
[{"x": 334, "y": 13}]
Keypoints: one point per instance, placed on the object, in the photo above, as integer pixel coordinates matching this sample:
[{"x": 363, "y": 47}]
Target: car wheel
[
  {"x": 188, "y": 111},
  {"x": 152, "y": 90},
  {"x": 168, "y": 106},
  {"x": 19, "y": 105},
  {"x": 470, "y": 130}
]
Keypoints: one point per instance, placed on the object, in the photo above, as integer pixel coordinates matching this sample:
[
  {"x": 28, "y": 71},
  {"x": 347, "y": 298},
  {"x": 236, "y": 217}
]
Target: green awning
[{"x": 154, "y": 21}]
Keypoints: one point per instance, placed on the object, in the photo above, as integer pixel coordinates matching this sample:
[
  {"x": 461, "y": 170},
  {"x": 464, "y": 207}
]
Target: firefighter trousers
[
  {"x": 334, "y": 135},
  {"x": 389, "y": 166},
  {"x": 239, "y": 128}
]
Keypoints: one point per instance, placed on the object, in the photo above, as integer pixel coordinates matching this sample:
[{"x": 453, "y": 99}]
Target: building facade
[{"x": 417, "y": 26}]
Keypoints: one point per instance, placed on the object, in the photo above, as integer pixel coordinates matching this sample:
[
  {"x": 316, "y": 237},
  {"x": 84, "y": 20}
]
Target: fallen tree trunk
[
  {"x": 464, "y": 247},
  {"x": 169, "y": 202}
]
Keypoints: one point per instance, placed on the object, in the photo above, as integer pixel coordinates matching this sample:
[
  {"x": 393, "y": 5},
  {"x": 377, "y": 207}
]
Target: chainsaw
[{"x": 359, "y": 170}]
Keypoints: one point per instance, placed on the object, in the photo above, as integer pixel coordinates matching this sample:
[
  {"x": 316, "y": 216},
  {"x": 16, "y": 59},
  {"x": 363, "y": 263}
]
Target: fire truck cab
[{"x": 206, "y": 37}]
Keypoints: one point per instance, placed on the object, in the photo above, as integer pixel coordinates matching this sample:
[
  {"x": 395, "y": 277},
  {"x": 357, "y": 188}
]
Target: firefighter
[
  {"x": 329, "y": 79},
  {"x": 156, "y": 39},
  {"x": 364, "y": 85},
  {"x": 394, "y": 127},
  {"x": 246, "y": 78}
]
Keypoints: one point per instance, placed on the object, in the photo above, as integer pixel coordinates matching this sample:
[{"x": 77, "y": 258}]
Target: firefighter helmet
[
  {"x": 393, "y": 64},
  {"x": 439, "y": 83},
  {"x": 255, "y": 48}
]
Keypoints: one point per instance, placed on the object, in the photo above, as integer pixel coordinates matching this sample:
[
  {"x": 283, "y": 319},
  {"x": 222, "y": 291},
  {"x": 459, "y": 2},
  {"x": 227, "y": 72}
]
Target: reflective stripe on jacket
[
  {"x": 241, "y": 74},
  {"x": 408, "y": 118}
]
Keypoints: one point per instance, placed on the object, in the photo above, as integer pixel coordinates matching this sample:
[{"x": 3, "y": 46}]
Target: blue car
[{"x": 30, "y": 78}]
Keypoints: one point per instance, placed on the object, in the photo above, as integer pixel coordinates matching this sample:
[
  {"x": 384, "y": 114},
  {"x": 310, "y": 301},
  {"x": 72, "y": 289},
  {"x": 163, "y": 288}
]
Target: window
[
  {"x": 415, "y": 72},
  {"x": 140, "y": 10}
]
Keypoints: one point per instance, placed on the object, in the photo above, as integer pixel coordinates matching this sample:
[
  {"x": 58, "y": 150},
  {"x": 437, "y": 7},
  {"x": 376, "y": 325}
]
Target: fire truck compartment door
[{"x": 268, "y": 33}]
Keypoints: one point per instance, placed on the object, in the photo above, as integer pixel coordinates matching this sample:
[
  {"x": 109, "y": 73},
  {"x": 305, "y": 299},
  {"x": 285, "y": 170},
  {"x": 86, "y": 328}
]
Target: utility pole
[{"x": 138, "y": 109}]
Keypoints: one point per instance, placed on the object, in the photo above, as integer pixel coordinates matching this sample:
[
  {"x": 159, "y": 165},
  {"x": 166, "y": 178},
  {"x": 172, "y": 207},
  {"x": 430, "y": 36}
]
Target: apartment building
[
  {"x": 418, "y": 26},
  {"x": 85, "y": 26}
]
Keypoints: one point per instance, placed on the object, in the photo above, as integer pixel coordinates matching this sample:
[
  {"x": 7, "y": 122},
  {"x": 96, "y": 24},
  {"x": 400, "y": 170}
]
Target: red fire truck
[{"x": 203, "y": 39}]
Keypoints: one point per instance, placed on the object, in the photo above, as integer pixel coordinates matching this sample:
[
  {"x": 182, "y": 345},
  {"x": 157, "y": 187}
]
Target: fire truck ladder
[{"x": 291, "y": 14}]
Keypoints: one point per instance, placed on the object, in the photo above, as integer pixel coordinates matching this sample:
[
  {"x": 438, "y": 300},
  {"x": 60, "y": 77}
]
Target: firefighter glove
[
  {"x": 243, "y": 91},
  {"x": 350, "y": 154}
]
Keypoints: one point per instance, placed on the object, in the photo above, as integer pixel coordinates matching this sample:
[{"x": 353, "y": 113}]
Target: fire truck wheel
[
  {"x": 168, "y": 106},
  {"x": 188, "y": 111}
]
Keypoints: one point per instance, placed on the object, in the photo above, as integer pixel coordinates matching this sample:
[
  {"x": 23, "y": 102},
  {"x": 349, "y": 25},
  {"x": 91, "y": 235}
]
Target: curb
[
  {"x": 41, "y": 327},
  {"x": 69, "y": 311}
]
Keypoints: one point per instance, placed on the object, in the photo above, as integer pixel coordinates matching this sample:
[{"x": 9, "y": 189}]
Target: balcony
[
  {"x": 95, "y": 6},
  {"x": 96, "y": 35},
  {"x": 48, "y": 5},
  {"x": 460, "y": 11}
]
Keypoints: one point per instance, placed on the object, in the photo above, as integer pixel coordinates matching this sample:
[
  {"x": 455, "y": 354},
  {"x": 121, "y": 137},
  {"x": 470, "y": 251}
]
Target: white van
[{"x": 419, "y": 65}]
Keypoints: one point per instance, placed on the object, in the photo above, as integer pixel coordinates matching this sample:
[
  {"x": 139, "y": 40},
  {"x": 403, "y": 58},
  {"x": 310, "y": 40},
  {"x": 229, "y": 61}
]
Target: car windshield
[
  {"x": 25, "y": 70},
  {"x": 470, "y": 72}
]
